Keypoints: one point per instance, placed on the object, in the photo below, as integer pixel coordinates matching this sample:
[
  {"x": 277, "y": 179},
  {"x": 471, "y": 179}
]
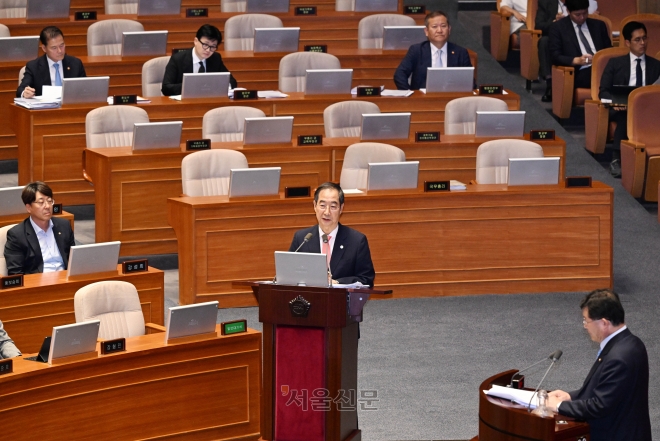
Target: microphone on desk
[
  {"x": 554, "y": 357},
  {"x": 305, "y": 240},
  {"x": 520, "y": 383}
]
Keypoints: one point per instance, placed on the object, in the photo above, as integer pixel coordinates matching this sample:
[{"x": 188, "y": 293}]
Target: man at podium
[
  {"x": 7, "y": 347},
  {"x": 349, "y": 258}
]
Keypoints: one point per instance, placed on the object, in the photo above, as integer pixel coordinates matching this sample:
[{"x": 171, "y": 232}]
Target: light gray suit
[{"x": 7, "y": 347}]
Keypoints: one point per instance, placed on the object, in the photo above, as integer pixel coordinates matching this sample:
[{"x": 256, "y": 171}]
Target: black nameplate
[
  {"x": 198, "y": 144},
  {"x": 11, "y": 281},
  {"x": 316, "y": 48},
  {"x": 178, "y": 49},
  {"x": 414, "y": 9},
  {"x": 436, "y": 186},
  {"x": 310, "y": 139},
  {"x": 112, "y": 346},
  {"x": 85, "y": 15},
  {"x": 296, "y": 192},
  {"x": 491, "y": 89},
  {"x": 578, "y": 181},
  {"x": 118, "y": 100},
  {"x": 305, "y": 10},
  {"x": 6, "y": 366},
  {"x": 235, "y": 327},
  {"x": 427, "y": 136},
  {"x": 542, "y": 135},
  {"x": 197, "y": 12},
  {"x": 368, "y": 91},
  {"x": 245, "y": 95},
  {"x": 57, "y": 209},
  {"x": 134, "y": 266}
]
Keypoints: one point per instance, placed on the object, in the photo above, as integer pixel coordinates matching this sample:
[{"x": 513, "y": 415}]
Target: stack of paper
[
  {"x": 456, "y": 185},
  {"x": 399, "y": 93},
  {"x": 36, "y": 103},
  {"x": 518, "y": 396}
]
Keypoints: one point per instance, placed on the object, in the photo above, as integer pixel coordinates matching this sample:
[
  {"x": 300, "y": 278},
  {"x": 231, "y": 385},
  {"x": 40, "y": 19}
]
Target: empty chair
[
  {"x": 112, "y": 126},
  {"x": 105, "y": 37},
  {"x": 344, "y": 5},
  {"x": 233, "y": 5},
  {"x": 21, "y": 74},
  {"x": 226, "y": 123},
  {"x": 12, "y": 9},
  {"x": 461, "y": 113},
  {"x": 344, "y": 119},
  {"x": 493, "y": 158},
  {"x": 117, "y": 7},
  {"x": 3, "y": 241},
  {"x": 355, "y": 170},
  {"x": 206, "y": 173},
  {"x": 239, "y": 30},
  {"x": 153, "y": 72},
  {"x": 4, "y": 31},
  {"x": 293, "y": 67},
  {"x": 370, "y": 28}
]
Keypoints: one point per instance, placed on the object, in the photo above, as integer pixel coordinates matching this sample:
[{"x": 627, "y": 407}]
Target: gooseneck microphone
[
  {"x": 554, "y": 357},
  {"x": 305, "y": 240}
]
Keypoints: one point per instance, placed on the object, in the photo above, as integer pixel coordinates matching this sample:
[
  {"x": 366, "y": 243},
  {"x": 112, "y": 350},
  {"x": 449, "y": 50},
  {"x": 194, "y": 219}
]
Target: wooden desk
[
  {"x": 20, "y": 217},
  {"x": 202, "y": 390},
  {"x": 51, "y": 141},
  {"x": 488, "y": 239},
  {"x": 121, "y": 179},
  {"x": 46, "y": 300}
]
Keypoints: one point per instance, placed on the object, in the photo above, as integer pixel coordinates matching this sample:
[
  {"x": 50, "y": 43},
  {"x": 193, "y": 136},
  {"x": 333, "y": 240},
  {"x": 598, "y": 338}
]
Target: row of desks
[{"x": 213, "y": 5}]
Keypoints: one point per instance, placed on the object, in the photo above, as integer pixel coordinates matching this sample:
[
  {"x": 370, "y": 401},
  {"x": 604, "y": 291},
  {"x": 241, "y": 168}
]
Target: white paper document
[
  {"x": 397, "y": 93},
  {"x": 456, "y": 185},
  {"x": 518, "y": 396},
  {"x": 37, "y": 103},
  {"x": 51, "y": 92}
]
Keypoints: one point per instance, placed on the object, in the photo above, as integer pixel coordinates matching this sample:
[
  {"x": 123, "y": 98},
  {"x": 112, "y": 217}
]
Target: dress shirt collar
[
  {"x": 610, "y": 337},
  {"x": 196, "y": 61},
  {"x": 333, "y": 236},
  {"x": 37, "y": 228},
  {"x": 634, "y": 57}
]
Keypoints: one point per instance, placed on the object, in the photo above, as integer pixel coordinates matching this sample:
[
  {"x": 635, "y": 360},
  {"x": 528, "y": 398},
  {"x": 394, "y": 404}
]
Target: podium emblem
[{"x": 299, "y": 307}]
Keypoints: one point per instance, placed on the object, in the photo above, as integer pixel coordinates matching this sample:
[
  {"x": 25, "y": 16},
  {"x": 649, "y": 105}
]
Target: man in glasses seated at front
[{"x": 41, "y": 243}]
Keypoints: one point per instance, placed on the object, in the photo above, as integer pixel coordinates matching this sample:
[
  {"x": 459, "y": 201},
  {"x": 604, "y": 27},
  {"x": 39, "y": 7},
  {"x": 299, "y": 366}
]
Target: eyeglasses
[
  {"x": 639, "y": 39},
  {"x": 208, "y": 47},
  {"x": 332, "y": 207},
  {"x": 42, "y": 202},
  {"x": 585, "y": 322}
]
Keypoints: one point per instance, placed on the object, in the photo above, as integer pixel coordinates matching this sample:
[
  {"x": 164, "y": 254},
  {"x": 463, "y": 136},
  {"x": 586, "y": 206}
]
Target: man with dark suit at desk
[
  {"x": 7, "y": 347},
  {"x": 203, "y": 57},
  {"x": 436, "y": 52},
  {"x": 614, "y": 398},
  {"x": 50, "y": 68},
  {"x": 347, "y": 249},
  {"x": 41, "y": 243}
]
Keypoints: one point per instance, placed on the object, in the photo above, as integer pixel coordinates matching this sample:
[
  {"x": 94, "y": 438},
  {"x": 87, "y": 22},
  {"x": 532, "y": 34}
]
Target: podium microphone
[
  {"x": 554, "y": 357},
  {"x": 305, "y": 240}
]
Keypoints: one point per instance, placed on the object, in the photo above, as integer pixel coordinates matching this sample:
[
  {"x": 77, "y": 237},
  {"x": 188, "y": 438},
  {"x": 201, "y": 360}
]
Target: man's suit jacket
[
  {"x": 351, "y": 258},
  {"x": 418, "y": 59},
  {"x": 564, "y": 46},
  {"x": 545, "y": 15},
  {"x": 614, "y": 397},
  {"x": 182, "y": 62},
  {"x": 7, "y": 347},
  {"x": 37, "y": 73},
  {"x": 617, "y": 73},
  {"x": 22, "y": 250}
]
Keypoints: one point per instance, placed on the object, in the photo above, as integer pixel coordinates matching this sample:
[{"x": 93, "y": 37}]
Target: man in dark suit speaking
[
  {"x": 436, "y": 52},
  {"x": 614, "y": 398},
  {"x": 203, "y": 57},
  {"x": 347, "y": 249},
  {"x": 49, "y": 69}
]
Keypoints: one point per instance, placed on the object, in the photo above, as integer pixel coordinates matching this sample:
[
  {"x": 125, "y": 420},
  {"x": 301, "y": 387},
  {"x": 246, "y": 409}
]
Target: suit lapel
[
  {"x": 32, "y": 240},
  {"x": 188, "y": 62},
  {"x": 626, "y": 73},
  {"x": 59, "y": 240},
  {"x": 572, "y": 36},
  {"x": 338, "y": 248},
  {"x": 452, "y": 58},
  {"x": 606, "y": 350},
  {"x": 66, "y": 67},
  {"x": 426, "y": 56},
  {"x": 44, "y": 73}
]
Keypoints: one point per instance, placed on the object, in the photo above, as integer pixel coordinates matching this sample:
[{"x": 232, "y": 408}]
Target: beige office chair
[
  {"x": 355, "y": 170},
  {"x": 461, "y": 113},
  {"x": 226, "y": 123},
  {"x": 118, "y": 7},
  {"x": 4, "y": 31},
  {"x": 293, "y": 67},
  {"x": 233, "y": 5},
  {"x": 21, "y": 74},
  {"x": 112, "y": 126},
  {"x": 239, "y": 30},
  {"x": 344, "y": 5},
  {"x": 206, "y": 173},
  {"x": 344, "y": 119},
  {"x": 153, "y": 72},
  {"x": 105, "y": 37},
  {"x": 370, "y": 28},
  {"x": 3, "y": 241},
  {"x": 493, "y": 158},
  {"x": 13, "y": 9}
]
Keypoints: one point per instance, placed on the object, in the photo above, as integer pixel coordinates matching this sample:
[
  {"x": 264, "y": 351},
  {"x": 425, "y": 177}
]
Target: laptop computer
[
  {"x": 47, "y": 9},
  {"x": 392, "y": 175},
  {"x": 10, "y": 201},
  {"x": 159, "y": 135},
  {"x": 449, "y": 79},
  {"x": 42, "y": 356},
  {"x": 74, "y": 339},
  {"x": 144, "y": 43},
  {"x": 267, "y": 6},
  {"x": 402, "y": 37},
  {"x": 620, "y": 94},
  {"x": 93, "y": 258},
  {"x": 159, "y": 7},
  {"x": 533, "y": 171},
  {"x": 268, "y": 130},
  {"x": 507, "y": 124},
  {"x": 276, "y": 39},
  {"x": 182, "y": 321},
  {"x": 19, "y": 48},
  {"x": 205, "y": 85},
  {"x": 385, "y": 126},
  {"x": 85, "y": 90},
  {"x": 328, "y": 81},
  {"x": 302, "y": 269},
  {"x": 254, "y": 181},
  {"x": 376, "y": 6}
]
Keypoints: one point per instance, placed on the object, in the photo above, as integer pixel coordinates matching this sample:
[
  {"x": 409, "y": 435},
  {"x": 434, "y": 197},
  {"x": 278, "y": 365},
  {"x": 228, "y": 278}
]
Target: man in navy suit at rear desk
[{"x": 436, "y": 52}]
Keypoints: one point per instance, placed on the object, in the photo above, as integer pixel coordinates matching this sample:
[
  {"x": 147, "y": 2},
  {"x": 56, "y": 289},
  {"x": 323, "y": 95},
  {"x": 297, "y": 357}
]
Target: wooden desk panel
[
  {"x": 20, "y": 217},
  {"x": 46, "y": 300},
  {"x": 203, "y": 390},
  {"x": 488, "y": 239}
]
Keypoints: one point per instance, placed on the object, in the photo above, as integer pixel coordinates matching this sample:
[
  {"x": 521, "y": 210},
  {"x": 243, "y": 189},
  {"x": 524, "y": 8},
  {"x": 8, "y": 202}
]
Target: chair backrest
[
  {"x": 153, "y": 72},
  {"x": 355, "y": 170},
  {"x": 118, "y": 7},
  {"x": 115, "y": 303},
  {"x": 604, "y": 19},
  {"x": 532, "y": 7},
  {"x": 4, "y": 31},
  {"x": 13, "y": 9},
  {"x": 617, "y": 10},
  {"x": 233, "y": 5},
  {"x": 104, "y": 37},
  {"x": 21, "y": 74},
  {"x": 344, "y": 5},
  {"x": 344, "y": 119},
  {"x": 239, "y": 30},
  {"x": 112, "y": 126},
  {"x": 226, "y": 123},
  {"x": 370, "y": 28},
  {"x": 3, "y": 241},
  {"x": 293, "y": 66},
  {"x": 493, "y": 158},
  {"x": 598, "y": 66},
  {"x": 643, "y": 111},
  {"x": 652, "y": 23},
  {"x": 461, "y": 113},
  {"x": 206, "y": 173}
]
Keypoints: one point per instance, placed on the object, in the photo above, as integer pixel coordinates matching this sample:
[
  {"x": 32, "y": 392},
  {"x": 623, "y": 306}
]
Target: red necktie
[{"x": 326, "y": 250}]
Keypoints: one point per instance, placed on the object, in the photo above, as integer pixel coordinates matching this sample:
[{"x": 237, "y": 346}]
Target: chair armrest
[
  {"x": 86, "y": 177},
  {"x": 152, "y": 328},
  {"x": 500, "y": 26},
  {"x": 529, "y": 53},
  {"x": 633, "y": 167},
  {"x": 563, "y": 80},
  {"x": 596, "y": 125}
]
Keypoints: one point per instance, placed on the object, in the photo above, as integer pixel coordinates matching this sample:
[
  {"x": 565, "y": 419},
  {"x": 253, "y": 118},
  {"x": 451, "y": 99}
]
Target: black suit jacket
[
  {"x": 617, "y": 73},
  {"x": 351, "y": 258},
  {"x": 418, "y": 59},
  {"x": 182, "y": 62},
  {"x": 37, "y": 73},
  {"x": 22, "y": 250},
  {"x": 614, "y": 397},
  {"x": 545, "y": 15},
  {"x": 564, "y": 46}
]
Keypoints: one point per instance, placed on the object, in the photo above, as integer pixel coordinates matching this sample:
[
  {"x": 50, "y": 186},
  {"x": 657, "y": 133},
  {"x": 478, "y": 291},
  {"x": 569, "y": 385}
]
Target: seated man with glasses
[
  {"x": 41, "y": 243},
  {"x": 203, "y": 57}
]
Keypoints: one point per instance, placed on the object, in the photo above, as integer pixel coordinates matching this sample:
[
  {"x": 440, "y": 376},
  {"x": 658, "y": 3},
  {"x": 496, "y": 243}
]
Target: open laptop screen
[
  {"x": 276, "y": 39},
  {"x": 267, "y": 6},
  {"x": 159, "y": 7},
  {"x": 268, "y": 130},
  {"x": 19, "y": 48},
  {"x": 93, "y": 258},
  {"x": 392, "y": 175},
  {"x": 47, "y": 9},
  {"x": 449, "y": 79},
  {"x": 182, "y": 321},
  {"x": 74, "y": 339},
  {"x": 402, "y": 37},
  {"x": 254, "y": 181},
  {"x": 385, "y": 126},
  {"x": 533, "y": 171},
  {"x": 205, "y": 85},
  {"x": 507, "y": 124},
  {"x": 160, "y": 135},
  {"x": 146, "y": 43},
  {"x": 85, "y": 90},
  {"x": 305, "y": 269},
  {"x": 328, "y": 81}
]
